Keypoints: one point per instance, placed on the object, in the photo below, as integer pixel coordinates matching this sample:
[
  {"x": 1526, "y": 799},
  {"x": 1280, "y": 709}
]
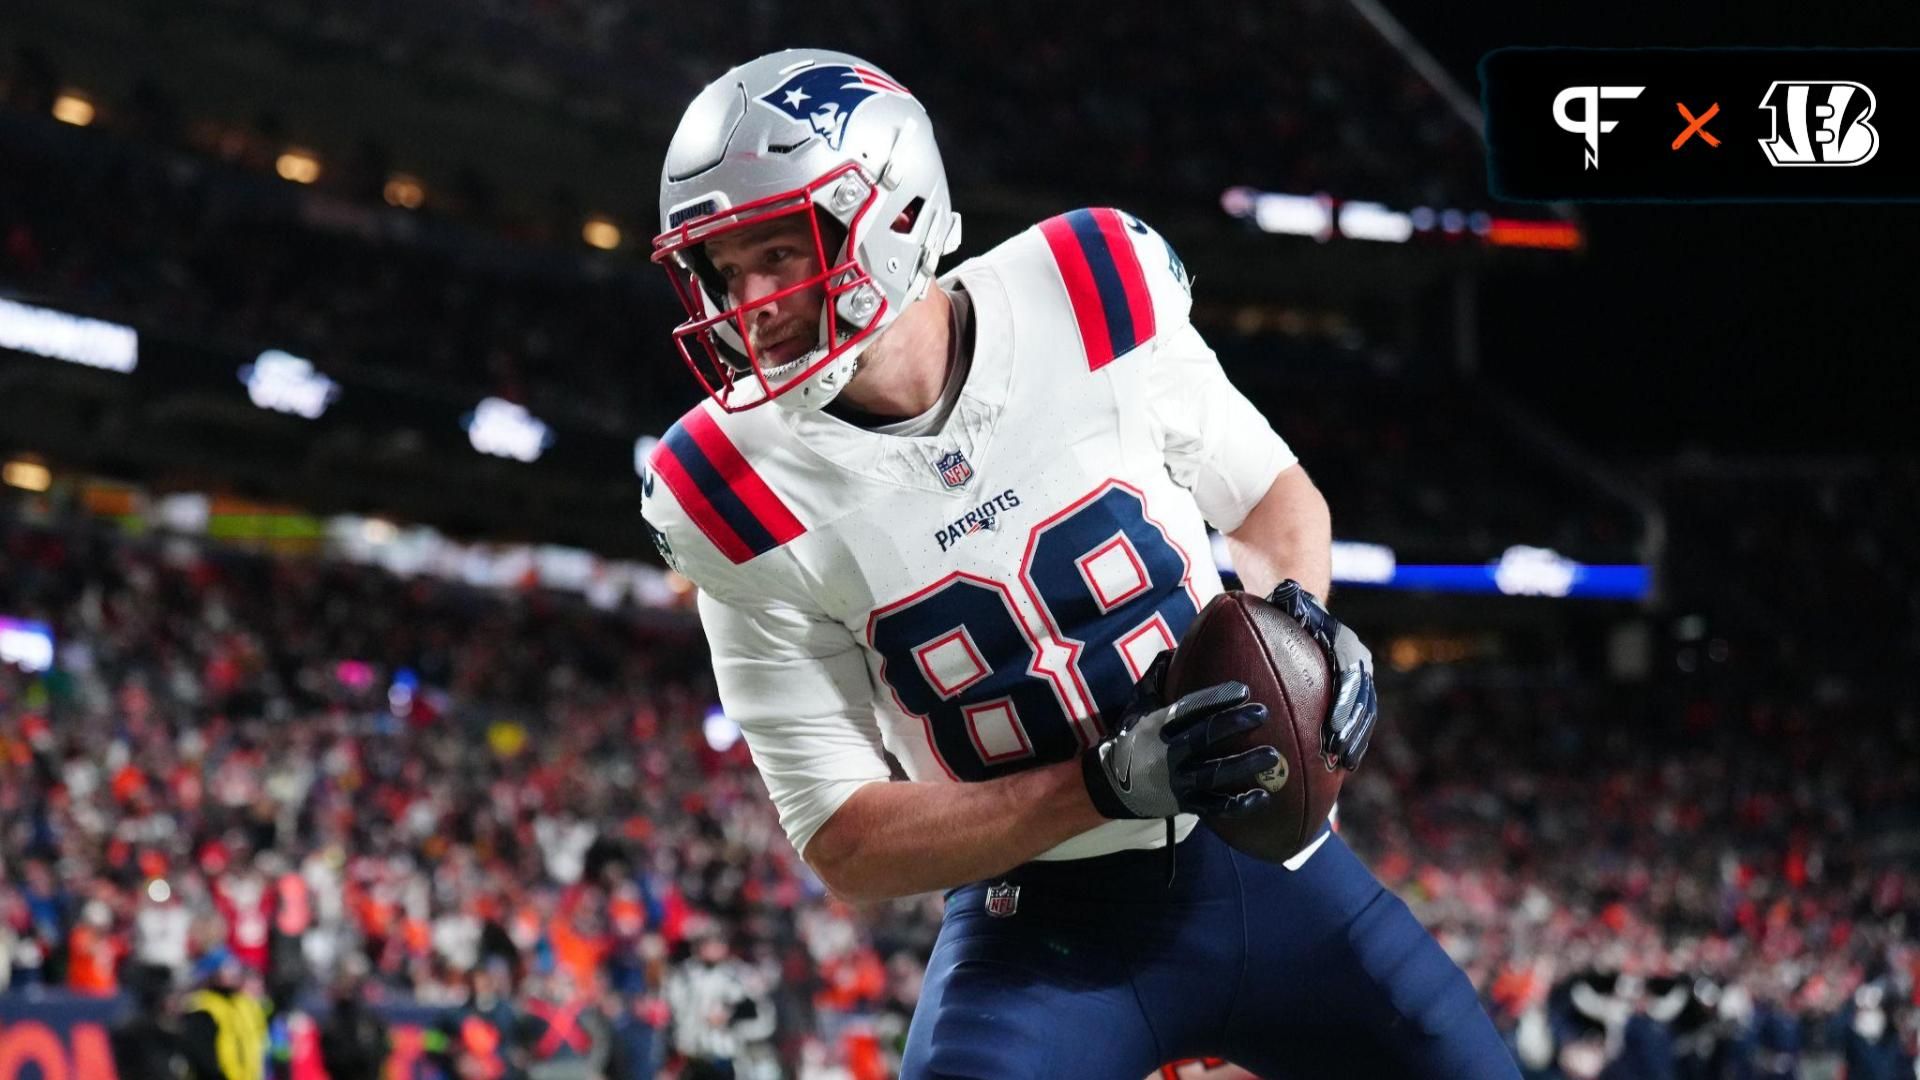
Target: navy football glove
[
  {"x": 1356, "y": 705},
  {"x": 1163, "y": 760}
]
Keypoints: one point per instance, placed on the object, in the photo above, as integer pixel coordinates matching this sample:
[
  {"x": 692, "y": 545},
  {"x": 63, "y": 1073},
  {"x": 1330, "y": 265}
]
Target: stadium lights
[
  {"x": 1324, "y": 216},
  {"x": 722, "y": 731},
  {"x": 72, "y": 107},
  {"x": 501, "y": 428},
  {"x": 601, "y": 233},
  {"x": 57, "y": 335},
  {"x": 26, "y": 644},
  {"x": 1295, "y": 215},
  {"x": 1372, "y": 221},
  {"x": 1520, "y": 571},
  {"x": 286, "y": 383},
  {"x": 27, "y": 475},
  {"x": 1551, "y": 235},
  {"x": 297, "y": 165},
  {"x": 404, "y": 191}
]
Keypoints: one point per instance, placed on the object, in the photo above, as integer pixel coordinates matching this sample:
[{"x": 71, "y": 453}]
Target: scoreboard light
[
  {"x": 281, "y": 382},
  {"x": 1533, "y": 571},
  {"x": 1324, "y": 216},
  {"x": 75, "y": 339},
  {"x": 1520, "y": 571},
  {"x": 1551, "y": 235},
  {"x": 1372, "y": 221},
  {"x": 503, "y": 429},
  {"x": 1292, "y": 215},
  {"x": 1365, "y": 564}
]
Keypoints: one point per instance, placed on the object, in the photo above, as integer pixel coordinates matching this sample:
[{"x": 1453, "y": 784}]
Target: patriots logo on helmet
[{"x": 826, "y": 95}]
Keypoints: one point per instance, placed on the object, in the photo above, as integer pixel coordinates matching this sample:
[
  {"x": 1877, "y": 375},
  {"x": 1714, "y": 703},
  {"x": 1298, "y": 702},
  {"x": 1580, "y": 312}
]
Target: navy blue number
[
  {"x": 1110, "y": 585},
  {"x": 958, "y": 657},
  {"x": 1112, "y": 589}
]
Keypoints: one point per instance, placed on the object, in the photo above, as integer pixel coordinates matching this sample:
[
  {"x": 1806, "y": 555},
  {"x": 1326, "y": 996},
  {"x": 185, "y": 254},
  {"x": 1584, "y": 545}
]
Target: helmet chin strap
[{"x": 823, "y": 386}]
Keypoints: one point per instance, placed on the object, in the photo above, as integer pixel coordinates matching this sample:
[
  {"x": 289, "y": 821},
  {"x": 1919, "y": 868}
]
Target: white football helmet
[{"x": 814, "y": 133}]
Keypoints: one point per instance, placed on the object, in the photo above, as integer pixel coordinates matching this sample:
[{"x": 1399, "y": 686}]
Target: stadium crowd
[{"x": 329, "y": 783}]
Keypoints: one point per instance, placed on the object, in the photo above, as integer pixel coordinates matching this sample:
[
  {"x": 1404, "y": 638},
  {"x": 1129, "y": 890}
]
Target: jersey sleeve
[
  {"x": 1217, "y": 444},
  {"x": 793, "y": 678},
  {"x": 797, "y": 685}
]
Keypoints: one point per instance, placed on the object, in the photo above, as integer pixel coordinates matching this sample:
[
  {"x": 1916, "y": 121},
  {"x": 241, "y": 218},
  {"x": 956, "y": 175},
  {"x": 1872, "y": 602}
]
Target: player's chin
[{"x": 785, "y": 352}]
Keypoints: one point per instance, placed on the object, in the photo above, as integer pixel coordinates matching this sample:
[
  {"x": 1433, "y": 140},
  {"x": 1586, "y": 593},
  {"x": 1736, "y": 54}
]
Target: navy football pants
[{"x": 1103, "y": 973}]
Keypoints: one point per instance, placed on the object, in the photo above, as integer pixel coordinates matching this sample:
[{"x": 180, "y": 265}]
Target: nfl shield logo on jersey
[
  {"x": 1002, "y": 900},
  {"x": 954, "y": 470}
]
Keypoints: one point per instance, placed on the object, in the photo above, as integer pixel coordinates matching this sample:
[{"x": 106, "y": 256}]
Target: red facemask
[{"x": 716, "y": 341}]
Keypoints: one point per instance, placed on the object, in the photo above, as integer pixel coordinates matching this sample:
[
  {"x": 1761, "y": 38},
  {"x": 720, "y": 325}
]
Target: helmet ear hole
[{"x": 909, "y": 217}]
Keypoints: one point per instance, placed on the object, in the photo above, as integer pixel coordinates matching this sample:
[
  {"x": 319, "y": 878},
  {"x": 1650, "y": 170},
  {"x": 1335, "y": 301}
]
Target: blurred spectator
[
  {"x": 161, "y": 929},
  {"x": 224, "y": 1033},
  {"x": 221, "y": 740},
  {"x": 353, "y": 1040},
  {"x": 719, "y": 1010},
  {"x": 147, "y": 1043},
  {"x": 94, "y": 951}
]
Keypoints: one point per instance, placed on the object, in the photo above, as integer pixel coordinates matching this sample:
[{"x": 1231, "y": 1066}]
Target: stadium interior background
[{"x": 333, "y": 648}]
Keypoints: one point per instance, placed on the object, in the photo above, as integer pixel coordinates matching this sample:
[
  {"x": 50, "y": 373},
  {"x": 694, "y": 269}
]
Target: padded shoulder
[
  {"x": 706, "y": 506},
  {"x": 1124, "y": 282}
]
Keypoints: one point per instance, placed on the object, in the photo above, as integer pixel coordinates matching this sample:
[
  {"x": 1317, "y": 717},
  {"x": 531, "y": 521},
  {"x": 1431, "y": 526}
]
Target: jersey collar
[{"x": 911, "y": 460}]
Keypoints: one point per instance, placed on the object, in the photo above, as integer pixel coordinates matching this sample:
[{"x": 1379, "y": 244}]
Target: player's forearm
[
  {"x": 1289, "y": 534},
  {"x": 902, "y": 838}
]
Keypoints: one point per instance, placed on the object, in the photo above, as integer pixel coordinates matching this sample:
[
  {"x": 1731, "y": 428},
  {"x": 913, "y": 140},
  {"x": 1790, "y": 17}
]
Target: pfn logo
[
  {"x": 1589, "y": 124},
  {"x": 1825, "y": 124}
]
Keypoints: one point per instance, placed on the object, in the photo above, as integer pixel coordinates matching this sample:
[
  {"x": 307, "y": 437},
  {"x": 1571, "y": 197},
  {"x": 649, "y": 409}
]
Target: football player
[{"x": 961, "y": 519}]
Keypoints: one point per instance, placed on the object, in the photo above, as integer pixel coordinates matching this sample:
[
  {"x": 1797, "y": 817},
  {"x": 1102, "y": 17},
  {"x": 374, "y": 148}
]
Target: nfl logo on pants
[
  {"x": 1003, "y": 900},
  {"x": 954, "y": 470}
]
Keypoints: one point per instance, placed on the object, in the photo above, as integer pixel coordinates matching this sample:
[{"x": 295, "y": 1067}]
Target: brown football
[{"x": 1241, "y": 636}]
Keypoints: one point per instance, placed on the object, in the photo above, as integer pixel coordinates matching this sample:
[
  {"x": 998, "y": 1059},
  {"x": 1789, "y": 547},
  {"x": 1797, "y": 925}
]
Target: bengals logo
[{"x": 1820, "y": 123}]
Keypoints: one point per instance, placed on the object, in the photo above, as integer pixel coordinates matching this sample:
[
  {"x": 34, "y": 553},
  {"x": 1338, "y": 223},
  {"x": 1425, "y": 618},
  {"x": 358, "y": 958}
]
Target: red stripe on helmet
[{"x": 874, "y": 78}]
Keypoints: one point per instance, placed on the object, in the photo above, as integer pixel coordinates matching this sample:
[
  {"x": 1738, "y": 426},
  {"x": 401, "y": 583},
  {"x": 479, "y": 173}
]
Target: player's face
[{"x": 761, "y": 260}]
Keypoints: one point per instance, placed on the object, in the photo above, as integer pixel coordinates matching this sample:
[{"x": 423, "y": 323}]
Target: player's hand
[
  {"x": 1356, "y": 704},
  {"x": 1163, "y": 759}
]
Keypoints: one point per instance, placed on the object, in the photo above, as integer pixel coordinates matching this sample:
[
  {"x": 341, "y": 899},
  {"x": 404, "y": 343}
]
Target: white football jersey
[{"x": 980, "y": 600}]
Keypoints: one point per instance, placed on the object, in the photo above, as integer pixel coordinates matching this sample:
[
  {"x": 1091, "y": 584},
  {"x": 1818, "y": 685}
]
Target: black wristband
[{"x": 1100, "y": 788}]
